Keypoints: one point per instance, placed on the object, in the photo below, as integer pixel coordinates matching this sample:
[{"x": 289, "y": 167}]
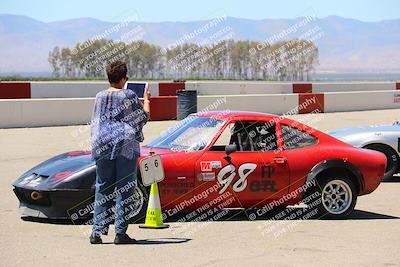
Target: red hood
[{"x": 145, "y": 151}]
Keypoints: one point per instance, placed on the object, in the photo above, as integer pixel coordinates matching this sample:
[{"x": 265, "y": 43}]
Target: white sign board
[{"x": 152, "y": 170}]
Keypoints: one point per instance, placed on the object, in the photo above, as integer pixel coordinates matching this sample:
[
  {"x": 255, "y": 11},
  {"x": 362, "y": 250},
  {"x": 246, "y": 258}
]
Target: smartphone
[{"x": 138, "y": 88}]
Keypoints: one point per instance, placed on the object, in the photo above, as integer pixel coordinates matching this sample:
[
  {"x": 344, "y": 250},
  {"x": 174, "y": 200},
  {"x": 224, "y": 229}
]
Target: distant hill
[{"x": 346, "y": 44}]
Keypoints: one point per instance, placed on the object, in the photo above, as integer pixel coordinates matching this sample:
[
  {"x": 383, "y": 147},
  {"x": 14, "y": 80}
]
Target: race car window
[
  {"x": 294, "y": 138},
  {"x": 191, "y": 134},
  {"x": 248, "y": 136},
  {"x": 223, "y": 139}
]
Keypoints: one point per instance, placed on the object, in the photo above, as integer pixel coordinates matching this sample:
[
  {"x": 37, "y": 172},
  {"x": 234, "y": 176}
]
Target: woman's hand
[
  {"x": 146, "y": 102},
  {"x": 147, "y": 94}
]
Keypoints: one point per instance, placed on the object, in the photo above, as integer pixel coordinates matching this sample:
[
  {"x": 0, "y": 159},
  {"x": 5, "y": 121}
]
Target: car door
[
  {"x": 255, "y": 174},
  {"x": 177, "y": 186}
]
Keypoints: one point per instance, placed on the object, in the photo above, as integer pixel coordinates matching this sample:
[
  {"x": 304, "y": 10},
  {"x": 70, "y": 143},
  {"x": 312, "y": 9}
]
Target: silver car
[{"x": 383, "y": 138}]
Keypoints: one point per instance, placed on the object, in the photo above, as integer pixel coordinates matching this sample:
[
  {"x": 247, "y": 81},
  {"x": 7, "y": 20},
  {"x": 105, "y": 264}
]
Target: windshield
[{"x": 192, "y": 134}]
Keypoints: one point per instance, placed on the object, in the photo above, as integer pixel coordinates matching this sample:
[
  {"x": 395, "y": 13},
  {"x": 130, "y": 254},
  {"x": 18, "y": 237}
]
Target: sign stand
[{"x": 153, "y": 172}]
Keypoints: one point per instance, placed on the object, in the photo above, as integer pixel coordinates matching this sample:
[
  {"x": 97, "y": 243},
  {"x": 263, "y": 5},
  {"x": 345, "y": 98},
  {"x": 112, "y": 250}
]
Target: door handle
[{"x": 280, "y": 160}]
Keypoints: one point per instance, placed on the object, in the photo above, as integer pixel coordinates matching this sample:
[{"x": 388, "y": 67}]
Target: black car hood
[
  {"x": 56, "y": 170},
  {"x": 71, "y": 161}
]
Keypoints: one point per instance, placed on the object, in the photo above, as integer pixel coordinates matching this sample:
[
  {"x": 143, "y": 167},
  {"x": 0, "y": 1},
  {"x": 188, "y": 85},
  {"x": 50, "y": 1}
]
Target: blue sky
[{"x": 174, "y": 10}]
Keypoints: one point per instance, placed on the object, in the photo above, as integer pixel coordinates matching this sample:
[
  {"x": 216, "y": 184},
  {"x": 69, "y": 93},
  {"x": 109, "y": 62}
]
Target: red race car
[{"x": 221, "y": 160}]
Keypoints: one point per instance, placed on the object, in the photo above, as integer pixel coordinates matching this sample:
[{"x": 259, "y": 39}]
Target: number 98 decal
[{"x": 228, "y": 173}]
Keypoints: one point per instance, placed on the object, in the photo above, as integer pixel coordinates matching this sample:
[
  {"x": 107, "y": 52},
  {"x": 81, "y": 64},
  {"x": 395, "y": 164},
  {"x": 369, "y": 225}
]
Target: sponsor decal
[
  {"x": 61, "y": 175},
  {"x": 205, "y": 166},
  {"x": 78, "y": 153},
  {"x": 267, "y": 171},
  {"x": 176, "y": 185},
  {"x": 32, "y": 180},
  {"x": 263, "y": 186},
  {"x": 216, "y": 164},
  {"x": 206, "y": 177},
  {"x": 175, "y": 188},
  {"x": 35, "y": 182}
]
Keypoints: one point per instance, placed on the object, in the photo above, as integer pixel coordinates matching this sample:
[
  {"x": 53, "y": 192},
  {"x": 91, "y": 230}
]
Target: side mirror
[{"x": 229, "y": 149}]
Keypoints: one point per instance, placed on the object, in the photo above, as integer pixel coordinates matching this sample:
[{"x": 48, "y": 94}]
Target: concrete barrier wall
[
  {"x": 74, "y": 89},
  {"x": 354, "y": 101},
  {"x": 246, "y": 87},
  {"x": 352, "y": 86},
  {"x": 271, "y": 103},
  {"x": 238, "y": 88},
  {"x": 68, "y": 111},
  {"x": 73, "y": 111},
  {"x": 309, "y": 102},
  {"x": 45, "y": 112},
  {"x": 79, "y": 89},
  {"x": 66, "y": 89}
]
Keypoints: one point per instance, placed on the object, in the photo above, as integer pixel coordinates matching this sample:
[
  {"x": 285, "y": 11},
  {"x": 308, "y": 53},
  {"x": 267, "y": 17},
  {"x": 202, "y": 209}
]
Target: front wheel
[
  {"x": 338, "y": 197},
  {"x": 139, "y": 207}
]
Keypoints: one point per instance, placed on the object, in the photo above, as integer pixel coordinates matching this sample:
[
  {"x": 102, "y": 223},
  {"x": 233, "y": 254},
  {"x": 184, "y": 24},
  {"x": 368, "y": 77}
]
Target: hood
[
  {"x": 147, "y": 151},
  {"x": 71, "y": 161},
  {"x": 56, "y": 169},
  {"x": 75, "y": 161},
  {"x": 64, "y": 168}
]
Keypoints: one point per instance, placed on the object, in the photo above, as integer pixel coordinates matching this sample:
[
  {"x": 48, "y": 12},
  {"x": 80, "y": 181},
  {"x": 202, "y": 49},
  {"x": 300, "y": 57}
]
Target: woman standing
[{"x": 116, "y": 133}]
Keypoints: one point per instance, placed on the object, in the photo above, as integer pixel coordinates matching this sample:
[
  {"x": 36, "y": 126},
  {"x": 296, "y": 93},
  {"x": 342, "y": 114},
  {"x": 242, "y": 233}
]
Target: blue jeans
[{"x": 115, "y": 179}]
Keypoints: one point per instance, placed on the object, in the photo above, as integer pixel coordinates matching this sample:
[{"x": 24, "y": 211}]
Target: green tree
[
  {"x": 55, "y": 61},
  {"x": 66, "y": 62},
  {"x": 287, "y": 60}
]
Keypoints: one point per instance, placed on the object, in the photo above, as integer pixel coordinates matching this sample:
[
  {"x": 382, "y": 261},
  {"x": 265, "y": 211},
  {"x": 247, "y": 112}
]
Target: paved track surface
[{"x": 371, "y": 237}]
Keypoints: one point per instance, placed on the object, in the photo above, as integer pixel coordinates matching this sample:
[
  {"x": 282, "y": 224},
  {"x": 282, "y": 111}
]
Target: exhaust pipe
[{"x": 36, "y": 195}]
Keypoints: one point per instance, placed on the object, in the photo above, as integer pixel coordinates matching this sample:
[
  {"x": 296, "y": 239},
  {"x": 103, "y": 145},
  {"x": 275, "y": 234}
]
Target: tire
[
  {"x": 392, "y": 165},
  {"x": 141, "y": 197},
  {"x": 336, "y": 196},
  {"x": 138, "y": 213}
]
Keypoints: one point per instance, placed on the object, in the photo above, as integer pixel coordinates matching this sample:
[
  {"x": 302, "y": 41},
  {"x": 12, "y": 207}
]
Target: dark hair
[{"x": 116, "y": 71}]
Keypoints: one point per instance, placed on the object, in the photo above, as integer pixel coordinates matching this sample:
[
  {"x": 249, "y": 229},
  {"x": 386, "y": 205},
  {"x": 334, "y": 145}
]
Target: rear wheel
[
  {"x": 337, "y": 196},
  {"x": 392, "y": 165}
]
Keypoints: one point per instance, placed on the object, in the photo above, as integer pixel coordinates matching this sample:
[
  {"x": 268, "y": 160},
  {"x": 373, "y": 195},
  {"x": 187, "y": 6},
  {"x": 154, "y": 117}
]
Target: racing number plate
[{"x": 152, "y": 170}]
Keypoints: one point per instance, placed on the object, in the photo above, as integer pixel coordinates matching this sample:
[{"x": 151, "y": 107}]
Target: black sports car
[{"x": 63, "y": 188}]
